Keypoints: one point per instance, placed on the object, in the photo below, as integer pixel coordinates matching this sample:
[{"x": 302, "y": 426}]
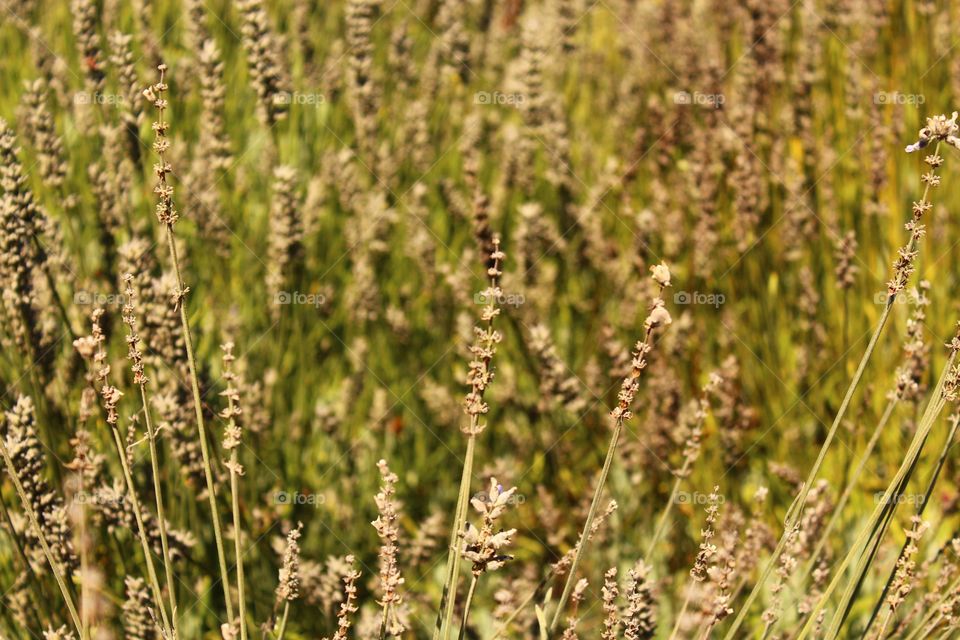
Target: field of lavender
[{"x": 457, "y": 319}]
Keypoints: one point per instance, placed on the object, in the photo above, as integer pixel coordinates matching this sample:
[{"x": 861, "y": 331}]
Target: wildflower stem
[
  {"x": 621, "y": 415},
  {"x": 238, "y": 551},
  {"x": 201, "y": 429},
  {"x": 934, "y": 476},
  {"x": 167, "y": 216},
  {"x": 796, "y": 510},
  {"x": 662, "y": 522},
  {"x": 283, "y": 620},
  {"x": 141, "y": 530},
  {"x": 851, "y": 485},
  {"x": 591, "y": 514},
  {"x": 31, "y": 514},
  {"x": 466, "y": 605},
  {"x": 161, "y": 514},
  {"x": 874, "y": 528},
  {"x": 683, "y": 612},
  {"x": 460, "y": 517}
]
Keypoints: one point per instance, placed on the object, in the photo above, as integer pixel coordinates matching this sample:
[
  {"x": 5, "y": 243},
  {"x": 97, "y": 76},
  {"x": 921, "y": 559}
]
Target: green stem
[
  {"x": 141, "y": 531},
  {"x": 283, "y": 620},
  {"x": 28, "y": 508},
  {"x": 466, "y": 606},
  {"x": 235, "y": 500},
  {"x": 683, "y": 612},
  {"x": 161, "y": 515},
  {"x": 201, "y": 427},
  {"x": 941, "y": 460},
  {"x": 795, "y": 511},
  {"x": 851, "y": 485},
  {"x": 454, "y": 553},
  {"x": 591, "y": 514},
  {"x": 662, "y": 522},
  {"x": 874, "y": 527}
]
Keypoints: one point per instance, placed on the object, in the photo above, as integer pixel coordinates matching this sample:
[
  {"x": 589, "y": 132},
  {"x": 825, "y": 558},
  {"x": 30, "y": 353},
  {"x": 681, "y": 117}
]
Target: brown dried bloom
[
  {"x": 388, "y": 529},
  {"x": 166, "y": 213},
  {"x": 288, "y": 588},
  {"x": 482, "y": 546},
  {"x": 484, "y": 346}
]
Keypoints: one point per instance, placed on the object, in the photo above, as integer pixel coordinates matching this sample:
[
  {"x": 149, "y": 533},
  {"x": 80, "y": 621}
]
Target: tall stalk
[
  {"x": 903, "y": 269},
  {"x": 35, "y": 523},
  {"x": 134, "y": 354},
  {"x": 479, "y": 378},
  {"x": 167, "y": 216},
  {"x": 620, "y": 414},
  {"x": 875, "y": 528},
  {"x": 231, "y": 442},
  {"x": 690, "y": 454},
  {"x": 931, "y": 483}
]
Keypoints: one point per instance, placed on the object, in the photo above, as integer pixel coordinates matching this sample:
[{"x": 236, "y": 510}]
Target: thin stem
[
  {"x": 941, "y": 460},
  {"x": 84, "y": 564},
  {"x": 201, "y": 429},
  {"x": 483, "y": 351},
  {"x": 161, "y": 516},
  {"x": 873, "y": 527},
  {"x": 453, "y": 560},
  {"x": 591, "y": 514},
  {"x": 283, "y": 620},
  {"x": 851, "y": 485},
  {"x": 28, "y": 508},
  {"x": 237, "y": 547},
  {"x": 797, "y": 506},
  {"x": 662, "y": 522},
  {"x": 141, "y": 531},
  {"x": 621, "y": 413},
  {"x": 883, "y": 627},
  {"x": 466, "y": 605},
  {"x": 168, "y": 218},
  {"x": 683, "y": 612}
]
